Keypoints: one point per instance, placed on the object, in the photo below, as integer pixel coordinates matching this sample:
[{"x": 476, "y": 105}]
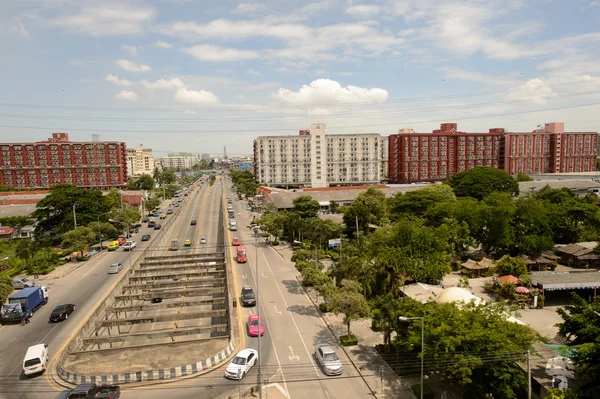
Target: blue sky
[{"x": 194, "y": 76}]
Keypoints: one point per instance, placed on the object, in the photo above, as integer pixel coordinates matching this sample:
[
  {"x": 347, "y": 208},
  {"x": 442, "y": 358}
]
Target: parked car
[
  {"x": 187, "y": 243},
  {"x": 253, "y": 326},
  {"x": 241, "y": 364},
  {"x": 151, "y": 224},
  {"x": 157, "y": 226},
  {"x": 22, "y": 282},
  {"x": 248, "y": 298},
  {"x": 144, "y": 220},
  {"x": 121, "y": 240},
  {"x": 202, "y": 240},
  {"x": 61, "y": 312},
  {"x": 129, "y": 245},
  {"x": 115, "y": 268},
  {"x": 146, "y": 237},
  {"x": 235, "y": 242},
  {"x": 328, "y": 359},
  {"x": 163, "y": 216},
  {"x": 169, "y": 211},
  {"x": 112, "y": 247},
  {"x": 193, "y": 222},
  {"x": 89, "y": 391}
]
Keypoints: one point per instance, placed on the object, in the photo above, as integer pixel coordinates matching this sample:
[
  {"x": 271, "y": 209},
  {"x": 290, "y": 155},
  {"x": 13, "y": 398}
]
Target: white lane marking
[
  {"x": 91, "y": 270},
  {"x": 49, "y": 332},
  {"x": 291, "y": 316},
  {"x": 292, "y": 356},
  {"x": 244, "y": 276},
  {"x": 264, "y": 275},
  {"x": 277, "y": 310}
]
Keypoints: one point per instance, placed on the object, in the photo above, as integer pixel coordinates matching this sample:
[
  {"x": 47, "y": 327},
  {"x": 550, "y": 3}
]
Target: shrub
[
  {"x": 427, "y": 392},
  {"x": 348, "y": 340},
  {"x": 275, "y": 243},
  {"x": 82, "y": 258},
  {"x": 375, "y": 325},
  {"x": 324, "y": 307}
]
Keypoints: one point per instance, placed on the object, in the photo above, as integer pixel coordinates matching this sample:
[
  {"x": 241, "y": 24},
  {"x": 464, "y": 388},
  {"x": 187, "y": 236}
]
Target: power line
[
  {"x": 399, "y": 123},
  {"x": 277, "y": 118},
  {"x": 300, "y": 106}
]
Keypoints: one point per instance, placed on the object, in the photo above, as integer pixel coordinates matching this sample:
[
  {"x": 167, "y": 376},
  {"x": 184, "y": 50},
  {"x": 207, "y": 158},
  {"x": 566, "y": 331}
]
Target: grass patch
[{"x": 348, "y": 340}]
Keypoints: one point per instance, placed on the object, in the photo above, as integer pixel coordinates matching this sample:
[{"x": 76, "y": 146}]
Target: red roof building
[
  {"x": 100, "y": 164},
  {"x": 438, "y": 155},
  {"x": 6, "y": 233}
]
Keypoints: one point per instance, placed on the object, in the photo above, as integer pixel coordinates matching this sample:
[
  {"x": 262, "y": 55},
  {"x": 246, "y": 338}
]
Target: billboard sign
[{"x": 336, "y": 242}]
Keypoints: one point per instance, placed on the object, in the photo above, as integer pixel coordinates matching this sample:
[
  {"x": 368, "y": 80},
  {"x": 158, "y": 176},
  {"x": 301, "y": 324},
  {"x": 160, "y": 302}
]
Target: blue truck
[{"x": 23, "y": 302}]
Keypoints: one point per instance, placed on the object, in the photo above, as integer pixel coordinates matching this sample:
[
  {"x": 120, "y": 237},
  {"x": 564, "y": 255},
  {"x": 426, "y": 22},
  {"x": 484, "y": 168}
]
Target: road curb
[{"x": 150, "y": 375}]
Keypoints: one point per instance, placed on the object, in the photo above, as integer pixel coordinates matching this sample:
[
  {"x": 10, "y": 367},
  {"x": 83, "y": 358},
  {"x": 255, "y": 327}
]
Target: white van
[
  {"x": 36, "y": 359},
  {"x": 232, "y": 225}
]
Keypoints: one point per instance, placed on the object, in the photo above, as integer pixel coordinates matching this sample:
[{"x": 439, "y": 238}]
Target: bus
[{"x": 241, "y": 255}]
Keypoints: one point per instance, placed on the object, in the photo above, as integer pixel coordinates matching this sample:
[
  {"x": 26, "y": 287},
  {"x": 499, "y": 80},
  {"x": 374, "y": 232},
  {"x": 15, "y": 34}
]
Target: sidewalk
[{"x": 374, "y": 371}]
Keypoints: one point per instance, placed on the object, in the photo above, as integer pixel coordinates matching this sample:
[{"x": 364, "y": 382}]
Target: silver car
[
  {"x": 202, "y": 240},
  {"x": 328, "y": 359},
  {"x": 115, "y": 268},
  {"x": 23, "y": 282}
]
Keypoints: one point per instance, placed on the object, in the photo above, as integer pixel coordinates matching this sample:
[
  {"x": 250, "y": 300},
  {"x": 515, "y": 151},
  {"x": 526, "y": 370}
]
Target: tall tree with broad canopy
[
  {"x": 419, "y": 202},
  {"x": 349, "y": 301},
  {"x": 481, "y": 181},
  {"x": 306, "y": 207},
  {"x": 581, "y": 326},
  {"x": 55, "y": 211},
  {"x": 483, "y": 361},
  {"x": 369, "y": 207}
]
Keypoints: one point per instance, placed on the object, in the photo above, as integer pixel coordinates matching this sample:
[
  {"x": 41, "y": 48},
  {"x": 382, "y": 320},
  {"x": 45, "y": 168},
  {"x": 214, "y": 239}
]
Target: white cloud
[
  {"x": 174, "y": 83},
  {"x": 241, "y": 97},
  {"x": 535, "y": 91},
  {"x": 362, "y": 10},
  {"x": 209, "y": 52},
  {"x": 126, "y": 96},
  {"x": 190, "y": 112},
  {"x": 21, "y": 29},
  {"x": 132, "y": 66},
  {"x": 130, "y": 49},
  {"x": 162, "y": 44},
  {"x": 326, "y": 91},
  {"x": 108, "y": 20},
  {"x": 184, "y": 95},
  {"x": 474, "y": 76},
  {"x": 244, "y": 8},
  {"x": 319, "y": 112},
  {"x": 594, "y": 3},
  {"x": 115, "y": 79},
  {"x": 253, "y": 72}
]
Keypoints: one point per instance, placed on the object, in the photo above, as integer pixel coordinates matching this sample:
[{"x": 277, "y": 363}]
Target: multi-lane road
[{"x": 292, "y": 325}]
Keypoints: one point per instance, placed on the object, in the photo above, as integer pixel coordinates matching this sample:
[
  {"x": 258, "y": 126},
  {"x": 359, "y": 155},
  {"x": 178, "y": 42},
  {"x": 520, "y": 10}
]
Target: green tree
[
  {"x": 16, "y": 221},
  {"x": 333, "y": 206},
  {"x": 79, "y": 238},
  {"x": 306, "y": 207},
  {"x": 168, "y": 177},
  {"x": 523, "y": 177},
  {"x": 55, "y": 211},
  {"x": 25, "y": 250},
  {"x": 112, "y": 200},
  {"x": 128, "y": 215},
  {"x": 6, "y": 286},
  {"x": 152, "y": 203},
  {"x": 581, "y": 326},
  {"x": 103, "y": 230},
  {"x": 369, "y": 207},
  {"x": 495, "y": 220},
  {"x": 481, "y": 181},
  {"x": 349, "y": 301},
  {"x": 557, "y": 393},
  {"x": 507, "y": 265},
  {"x": 146, "y": 182},
  {"x": 531, "y": 231},
  {"x": 419, "y": 202}
]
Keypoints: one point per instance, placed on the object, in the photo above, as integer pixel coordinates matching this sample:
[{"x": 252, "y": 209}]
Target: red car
[
  {"x": 253, "y": 323},
  {"x": 121, "y": 240},
  {"x": 235, "y": 242}
]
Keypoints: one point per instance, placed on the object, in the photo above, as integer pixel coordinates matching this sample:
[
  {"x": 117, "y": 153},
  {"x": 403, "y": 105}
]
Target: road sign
[{"x": 336, "y": 242}]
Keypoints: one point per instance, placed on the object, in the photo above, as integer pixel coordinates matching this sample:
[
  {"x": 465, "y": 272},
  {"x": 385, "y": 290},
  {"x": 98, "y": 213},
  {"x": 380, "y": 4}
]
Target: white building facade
[
  {"x": 178, "y": 161},
  {"x": 140, "y": 161},
  {"x": 317, "y": 159}
]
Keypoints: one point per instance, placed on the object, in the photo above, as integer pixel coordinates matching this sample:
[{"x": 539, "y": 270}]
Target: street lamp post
[
  {"x": 258, "y": 314},
  {"x": 402, "y": 318}
]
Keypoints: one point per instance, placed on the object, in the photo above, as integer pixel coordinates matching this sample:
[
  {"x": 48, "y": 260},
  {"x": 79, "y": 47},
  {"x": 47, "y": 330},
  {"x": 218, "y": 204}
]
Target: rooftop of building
[
  {"x": 528, "y": 187},
  {"x": 562, "y": 281}
]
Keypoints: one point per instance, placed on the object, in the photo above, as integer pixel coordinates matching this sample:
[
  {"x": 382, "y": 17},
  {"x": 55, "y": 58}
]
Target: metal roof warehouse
[{"x": 567, "y": 281}]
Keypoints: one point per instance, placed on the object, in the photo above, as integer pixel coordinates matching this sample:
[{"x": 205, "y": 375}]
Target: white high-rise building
[
  {"x": 140, "y": 160},
  {"x": 317, "y": 159},
  {"x": 178, "y": 161}
]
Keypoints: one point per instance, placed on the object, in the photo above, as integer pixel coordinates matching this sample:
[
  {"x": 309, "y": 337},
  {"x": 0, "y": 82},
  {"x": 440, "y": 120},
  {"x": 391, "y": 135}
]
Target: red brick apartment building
[
  {"x": 437, "y": 156},
  {"x": 43, "y": 164}
]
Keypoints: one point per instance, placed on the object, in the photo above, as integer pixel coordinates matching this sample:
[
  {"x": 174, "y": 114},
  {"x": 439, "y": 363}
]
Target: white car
[
  {"x": 115, "y": 268},
  {"x": 22, "y": 282},
  {"x": 202, "y": 240},
  {"x": 241, "y": 364},
  {"x": 129, "y": 245}
]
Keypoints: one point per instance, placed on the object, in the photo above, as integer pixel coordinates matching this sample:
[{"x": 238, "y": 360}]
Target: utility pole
[
  {"x": 258, "y": 314},
  {"x": 357, "y": 234},
  {"x": 528, "y": 374},
  {"x": 74, "y": 216}
]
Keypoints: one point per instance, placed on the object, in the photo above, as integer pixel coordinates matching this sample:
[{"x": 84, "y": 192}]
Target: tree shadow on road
[
  {"x": 293, "y": 287},
  {"x": 304, "y": 310}
]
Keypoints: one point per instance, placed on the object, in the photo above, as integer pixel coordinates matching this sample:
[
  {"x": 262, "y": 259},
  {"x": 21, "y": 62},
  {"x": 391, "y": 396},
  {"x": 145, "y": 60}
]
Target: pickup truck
[
  {"x": 129, "y": 245},
  {"x": 89, "y": 391}
]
